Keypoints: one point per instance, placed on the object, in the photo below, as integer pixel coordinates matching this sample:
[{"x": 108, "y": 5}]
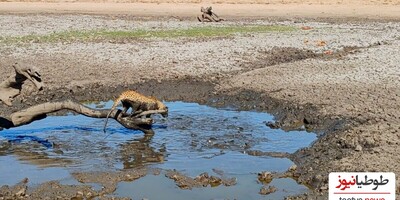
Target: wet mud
[
  {"x": 234, "y": 137},
  {"x": 288, "y": 116},
  {"x": 139, "y": 151}
]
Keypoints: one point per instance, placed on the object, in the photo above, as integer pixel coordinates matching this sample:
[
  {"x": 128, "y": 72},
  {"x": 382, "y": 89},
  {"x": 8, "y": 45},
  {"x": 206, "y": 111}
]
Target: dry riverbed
[{"x": 339, "y": 79}]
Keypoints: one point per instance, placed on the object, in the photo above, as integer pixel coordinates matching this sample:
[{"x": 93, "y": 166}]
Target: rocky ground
[{"x": 340, "y": 79}]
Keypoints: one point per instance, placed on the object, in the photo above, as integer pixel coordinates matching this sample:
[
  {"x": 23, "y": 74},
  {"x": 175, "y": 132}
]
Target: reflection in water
[
  {"x": 42, "y": 159},
  {"x": 21, "y": 138},
  {"x": 247, "y": 188},
  {"x": 139, "y": 152},
  {"x": 194, "y": 139},
  {"x": 34, "y": 152},
  {"x": 66, "y": 152}
]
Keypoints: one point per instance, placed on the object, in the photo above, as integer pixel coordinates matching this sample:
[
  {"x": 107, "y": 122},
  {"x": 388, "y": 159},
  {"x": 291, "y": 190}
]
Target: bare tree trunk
[
  {"x": 40, "y": 111},
  {"x": 208, "y": 15},
  {"x": 11, "y": 87}
]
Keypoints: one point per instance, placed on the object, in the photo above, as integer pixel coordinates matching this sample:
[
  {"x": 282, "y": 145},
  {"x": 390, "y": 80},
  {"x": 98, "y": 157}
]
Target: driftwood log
[
  {"x": 40, "y": 111},
  {"x": 208, "y": 15},
  {"x": 11, "y": 87}
]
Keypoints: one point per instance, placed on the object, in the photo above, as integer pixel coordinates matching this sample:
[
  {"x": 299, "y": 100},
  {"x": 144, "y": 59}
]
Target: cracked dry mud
[{"x": 351, "y": 98}]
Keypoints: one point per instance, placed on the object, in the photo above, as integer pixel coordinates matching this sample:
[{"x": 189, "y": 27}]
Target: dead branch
[
  {"x": 11, "y": 87},
  {"x": 40, "y": 111},
  {"x": 208, "y": 15},
  {"x": 150, "y": 112}
]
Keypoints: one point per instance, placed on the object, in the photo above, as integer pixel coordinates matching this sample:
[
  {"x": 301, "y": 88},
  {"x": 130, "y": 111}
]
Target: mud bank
[
  {"x": 335, "y": 131},
  {"x": 108, "y": 180},
  {"x": 288, "y": 115}
]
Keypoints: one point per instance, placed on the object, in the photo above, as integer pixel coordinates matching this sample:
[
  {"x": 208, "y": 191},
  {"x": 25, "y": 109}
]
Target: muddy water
[{"x": 194, "y": 139}]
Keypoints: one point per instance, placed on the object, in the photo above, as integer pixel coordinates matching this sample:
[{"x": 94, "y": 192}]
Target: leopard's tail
[{"x": 114, "y": 106}]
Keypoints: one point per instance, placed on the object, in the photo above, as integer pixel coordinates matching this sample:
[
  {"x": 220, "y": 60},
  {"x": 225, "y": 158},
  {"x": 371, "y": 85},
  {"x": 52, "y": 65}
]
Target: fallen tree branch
[
  {"x": 208, "y": 15},
  {"x": 150, "y": 112},
  {"x": 11, "y": 87},
  {"x": 40, "y": 111}
]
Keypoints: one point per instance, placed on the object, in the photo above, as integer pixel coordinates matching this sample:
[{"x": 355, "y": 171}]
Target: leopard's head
[{"x": 162, "y": 106}]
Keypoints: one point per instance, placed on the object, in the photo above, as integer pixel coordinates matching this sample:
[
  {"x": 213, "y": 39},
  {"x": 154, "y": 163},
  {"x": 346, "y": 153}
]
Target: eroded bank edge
[{"x": 288, "y": 115}]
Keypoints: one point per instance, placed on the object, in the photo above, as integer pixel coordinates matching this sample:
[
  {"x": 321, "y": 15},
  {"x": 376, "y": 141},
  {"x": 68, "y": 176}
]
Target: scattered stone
[
  {"x": 267, "y": 190},
  {"x": 273, "y": 125},
  {"x": 214, "y": 181},
  {"x": 292, "y": 172},
  {"x": 182, "y": 181},
  {"x": 202, "y": 180},
  {"x": 265, "y": 177}
]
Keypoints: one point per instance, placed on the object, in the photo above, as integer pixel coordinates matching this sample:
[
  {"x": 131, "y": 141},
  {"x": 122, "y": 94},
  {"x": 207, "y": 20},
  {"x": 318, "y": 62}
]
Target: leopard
[{"x": 138, "y": 103}]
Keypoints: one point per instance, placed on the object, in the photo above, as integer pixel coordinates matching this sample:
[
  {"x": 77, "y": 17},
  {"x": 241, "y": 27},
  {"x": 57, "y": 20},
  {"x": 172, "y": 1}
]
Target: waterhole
[{"x": 193, "y": 139}]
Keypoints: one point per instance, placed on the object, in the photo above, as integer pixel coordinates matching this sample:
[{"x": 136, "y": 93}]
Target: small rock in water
[
  {"x": 267, "y": 190},
  {"x": 215, "y": 181},
  {"x": 265, "y": 177},
  {"x": 273, "y": 125}
]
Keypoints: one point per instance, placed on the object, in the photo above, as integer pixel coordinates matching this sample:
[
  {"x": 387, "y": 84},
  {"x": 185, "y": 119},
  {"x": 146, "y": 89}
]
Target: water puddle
[
  {"x": 194, "y": 139},
  {"x": 246, "y": 188}
]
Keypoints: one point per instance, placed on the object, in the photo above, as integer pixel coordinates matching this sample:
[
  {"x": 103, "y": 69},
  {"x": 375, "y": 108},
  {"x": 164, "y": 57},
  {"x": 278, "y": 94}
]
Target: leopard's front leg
[
  {"x": 125, "y": 106},
  {"x": 136, "y": 109}
]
